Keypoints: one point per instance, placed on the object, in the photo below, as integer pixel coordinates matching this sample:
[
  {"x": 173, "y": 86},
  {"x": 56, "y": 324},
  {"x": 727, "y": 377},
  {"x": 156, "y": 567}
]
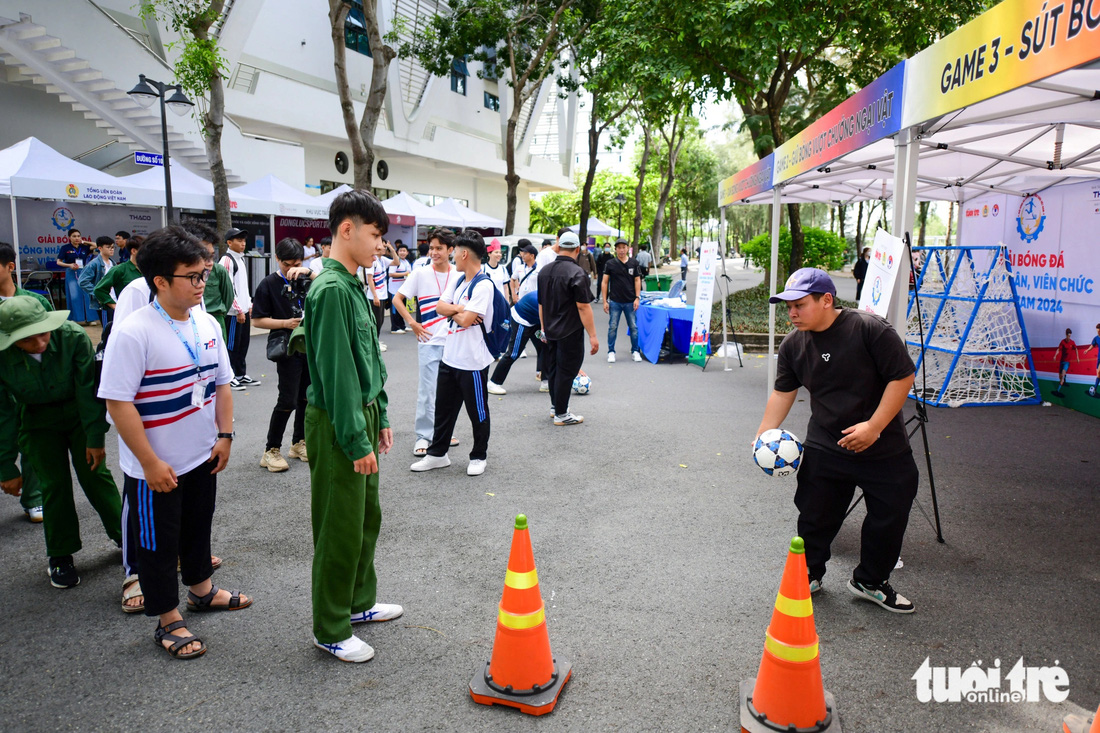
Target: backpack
[{"x": 496, "y": 337}]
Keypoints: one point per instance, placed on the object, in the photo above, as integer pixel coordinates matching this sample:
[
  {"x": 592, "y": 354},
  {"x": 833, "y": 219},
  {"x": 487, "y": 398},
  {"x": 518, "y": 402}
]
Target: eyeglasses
[{"x": 196, "y": 278}]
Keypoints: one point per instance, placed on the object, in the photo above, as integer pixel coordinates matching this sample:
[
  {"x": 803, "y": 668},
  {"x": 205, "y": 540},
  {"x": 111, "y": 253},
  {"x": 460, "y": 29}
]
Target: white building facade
[{"x": 66, "y": 65}]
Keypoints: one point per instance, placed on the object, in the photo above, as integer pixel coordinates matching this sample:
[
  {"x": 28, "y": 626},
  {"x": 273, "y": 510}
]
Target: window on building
[
  {"x": 459, "y": 72},
  {"x": 492, "y": 102},
  {"x": 355, "y": 29},
  {"x": 490, "y": 71}
]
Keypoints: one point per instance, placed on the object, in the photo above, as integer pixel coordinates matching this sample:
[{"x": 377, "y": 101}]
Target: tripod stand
[{"x": 921, "y": 416}]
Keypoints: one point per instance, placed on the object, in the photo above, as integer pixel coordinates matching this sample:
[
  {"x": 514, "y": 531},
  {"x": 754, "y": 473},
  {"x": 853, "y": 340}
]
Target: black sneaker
[
  {"x": 63, "y": 572},
  {"x": 235, "y": 385},
  {"x": 249, "y": 381},
  {"x": 882, "y": 594}
]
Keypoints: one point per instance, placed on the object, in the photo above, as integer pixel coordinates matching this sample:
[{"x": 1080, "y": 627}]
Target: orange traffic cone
[
  {"x": 787, "y": 692},
  {"x": 1079, "y": 724},
  {"x": 521, "y": 672}
]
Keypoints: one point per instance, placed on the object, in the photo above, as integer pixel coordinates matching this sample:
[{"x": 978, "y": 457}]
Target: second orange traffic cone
[
  {"x": 1078, "y": 724},
  {"x": 787, "y": 691},
  {"x": 521, "y": 673}
]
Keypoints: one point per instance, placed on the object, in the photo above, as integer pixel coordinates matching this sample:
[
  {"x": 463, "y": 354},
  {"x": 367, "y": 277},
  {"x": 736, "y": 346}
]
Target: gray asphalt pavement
[{"x": 659, "y": 549}]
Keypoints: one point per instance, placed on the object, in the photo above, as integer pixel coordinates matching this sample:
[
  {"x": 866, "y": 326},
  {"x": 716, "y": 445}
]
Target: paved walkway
[{"x": 659, "y": 548}]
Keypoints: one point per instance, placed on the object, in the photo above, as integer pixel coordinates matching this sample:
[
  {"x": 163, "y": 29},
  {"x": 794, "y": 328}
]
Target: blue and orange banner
[
  {"x": 1014, "y": 43},
  {"x": 755, "y": 179},
  {"x": 870, "y": 114}
]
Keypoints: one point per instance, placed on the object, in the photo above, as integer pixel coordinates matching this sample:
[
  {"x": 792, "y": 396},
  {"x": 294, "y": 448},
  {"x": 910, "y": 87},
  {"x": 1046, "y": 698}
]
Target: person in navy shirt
[{"x": 72, "y": 258}]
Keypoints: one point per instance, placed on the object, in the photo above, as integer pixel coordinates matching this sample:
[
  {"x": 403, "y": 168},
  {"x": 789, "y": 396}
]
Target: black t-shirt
[
  {"x": 270, "y": 300},
  {"x": 620, "y": 284},
  {"x": 846, "y": 368},
  {"x": 562, "y": 284}
]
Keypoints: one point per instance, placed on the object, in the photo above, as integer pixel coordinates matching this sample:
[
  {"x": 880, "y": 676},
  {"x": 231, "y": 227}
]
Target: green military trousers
[
  {"x": 31, "y": 496},
  {"x": 346, "y": 519},
  {"x": 49, "y": 451}
]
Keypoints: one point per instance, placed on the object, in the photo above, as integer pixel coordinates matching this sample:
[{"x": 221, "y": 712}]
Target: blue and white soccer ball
[
  {"x": 777, "y": 452},
  {"x": 582, "y": 384}
]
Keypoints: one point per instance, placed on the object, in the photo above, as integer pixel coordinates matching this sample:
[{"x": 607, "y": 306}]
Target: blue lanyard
[{"x": 193, "y": 353}]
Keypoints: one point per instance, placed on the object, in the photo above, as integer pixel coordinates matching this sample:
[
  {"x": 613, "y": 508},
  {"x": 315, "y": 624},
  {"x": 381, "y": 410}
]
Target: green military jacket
[
  {"x": 34, "y": 395},
  {"x": 219, "y": 291},
  {"x": 116, "y": 278},
  {"x": 45, "y": 303},
  {"x": 345, "y": 364}
]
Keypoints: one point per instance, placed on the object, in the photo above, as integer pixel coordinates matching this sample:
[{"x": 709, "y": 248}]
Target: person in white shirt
[
  {"x": 318, "y": 263},
  {"x": 550, "y": 250},
  {"x": 309, "y": 252},
  {"x": 422, "y": 250},
  {"x": 377, "y": 284},
  {"x": 238, "y": 322},
  {"x": 427, "y": 285},
  {"x": 464, "y": 370},
  {"x": 496, "y": 271},
  {"x": 524, "y": 272},
  {"x": 169, "y": 398},
  {"x": 396, "y": 273}
]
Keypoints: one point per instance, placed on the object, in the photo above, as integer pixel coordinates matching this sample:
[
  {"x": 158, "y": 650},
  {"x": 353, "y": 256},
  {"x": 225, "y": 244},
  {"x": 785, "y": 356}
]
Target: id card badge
[{"x": 198, "y": 393}]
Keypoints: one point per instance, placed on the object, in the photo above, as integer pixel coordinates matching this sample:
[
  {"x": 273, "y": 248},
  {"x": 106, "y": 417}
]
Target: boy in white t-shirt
[
  {"x": 464, "y": 370},
  {"x": 169, "y": 398},
  {"x": 427, "y": 285},
  {"x": 396, "y": 273}
]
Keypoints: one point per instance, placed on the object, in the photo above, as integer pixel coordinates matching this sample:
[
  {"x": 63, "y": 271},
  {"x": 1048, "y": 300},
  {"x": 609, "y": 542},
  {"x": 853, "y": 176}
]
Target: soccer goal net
[{"x": 974, "y": 349}]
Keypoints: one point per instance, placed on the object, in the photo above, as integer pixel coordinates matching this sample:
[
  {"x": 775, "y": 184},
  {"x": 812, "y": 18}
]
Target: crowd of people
[{"x": 176, "y": 351}]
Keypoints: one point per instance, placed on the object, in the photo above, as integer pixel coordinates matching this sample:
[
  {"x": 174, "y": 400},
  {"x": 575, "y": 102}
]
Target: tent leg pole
[
  {"x": 725, "y": 305},
  {"x": 906, "y": 150},
  {"x": 776, "y": 213},
  {"x": 15, "y": 243}
]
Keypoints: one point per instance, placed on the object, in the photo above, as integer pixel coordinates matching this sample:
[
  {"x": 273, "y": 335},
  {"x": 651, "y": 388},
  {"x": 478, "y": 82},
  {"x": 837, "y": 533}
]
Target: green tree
[
  {"x": 200, "y": 69},
  {"x": 360, "y": 134},
  {"x": 523, "y": 41},
  {"x": 822, "y": 249},
  {"x": 787, "y": 63}
]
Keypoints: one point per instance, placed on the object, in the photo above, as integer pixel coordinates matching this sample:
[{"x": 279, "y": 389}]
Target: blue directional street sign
[{"x": 148, "y": 159}]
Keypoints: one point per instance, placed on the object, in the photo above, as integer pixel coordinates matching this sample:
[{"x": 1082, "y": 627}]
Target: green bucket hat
[{"x": 23, "y": 316}]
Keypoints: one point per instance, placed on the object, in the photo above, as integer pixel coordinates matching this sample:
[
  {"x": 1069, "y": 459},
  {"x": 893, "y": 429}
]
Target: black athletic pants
[
  {"x": 293, "y": 382},
  {"x": 563, "y": 362},
  {"x": 380, "y": 313},
  {"x": 170, "y": 525},
  {"x": 237, "y": 343},
  {"x": 455, "y": 387},
  {"x": 826, "y": 485},
  {"x": 517, "y": 342}
]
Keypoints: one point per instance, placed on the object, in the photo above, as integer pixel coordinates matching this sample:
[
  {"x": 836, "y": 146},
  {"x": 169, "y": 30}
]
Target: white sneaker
[
  {"x": 611, "y": 357},
  {"x": 378, "y": 612},
  {"x": 421, "y": 445},
  {"x": 476, "y": 467},
  {"x": 427, "y": 463},
  {"x": 545, "y": 386},
  {"x": 636, "y": 356},
  {"x": 352, "y": 649},
  {"x": 381, "y": 346},
  {"x": 495, "y": 388},
  {"x": 400, "y": 330},
  {"x": 568, "y": 419},
  {"x": 523, "y": 354},
  {"x": 34, "y": 514}
]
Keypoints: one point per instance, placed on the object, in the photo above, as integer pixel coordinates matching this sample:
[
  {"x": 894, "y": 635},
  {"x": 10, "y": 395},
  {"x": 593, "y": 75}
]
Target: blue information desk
[{"x": 654, "y": 320}]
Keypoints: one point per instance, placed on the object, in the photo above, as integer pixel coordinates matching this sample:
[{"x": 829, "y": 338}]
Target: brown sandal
[
  {"x": 206, "y": 603},
  {"x": 178, "y": 642}
]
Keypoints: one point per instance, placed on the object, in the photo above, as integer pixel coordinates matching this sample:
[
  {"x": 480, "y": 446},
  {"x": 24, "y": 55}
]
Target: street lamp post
[
  {"x": 620, "y": 199},
  {"x": 145, "y": 93}
]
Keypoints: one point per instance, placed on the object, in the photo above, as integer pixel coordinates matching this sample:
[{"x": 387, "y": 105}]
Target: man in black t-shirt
[
  {"x": 277, "y": 306},
  {"x": 858, "y": 373},
  {"x": 622, "y": 291},
  {"x": 565, "y": 311}
]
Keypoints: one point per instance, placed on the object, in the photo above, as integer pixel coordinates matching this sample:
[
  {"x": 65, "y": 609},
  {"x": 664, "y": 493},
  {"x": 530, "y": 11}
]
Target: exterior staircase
[{"x": 30, "y": 53}]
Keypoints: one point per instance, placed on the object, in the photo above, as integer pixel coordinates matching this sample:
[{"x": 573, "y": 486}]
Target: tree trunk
[
  {"x": 794, "y": 224},
  {"x": 648, "y": 143},
  {"x": 213, "y": 122},
  {"x": 859, "y": 229},
  {"x": 950, "y": 223},
  {"x": 593, "y": 149},
  {"x": 672, "y": 220},
  {"x": 922, "y": 221},
  {"x": 511, "y": 177},
  {"x": 361, "y": 159},
  {"x": 675, "y": 142},
  {"x": 381, "y": 55}
]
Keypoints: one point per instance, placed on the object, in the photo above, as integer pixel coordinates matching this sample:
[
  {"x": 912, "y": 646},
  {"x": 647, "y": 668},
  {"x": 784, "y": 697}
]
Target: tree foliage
[{"x": 823, "y": 249}]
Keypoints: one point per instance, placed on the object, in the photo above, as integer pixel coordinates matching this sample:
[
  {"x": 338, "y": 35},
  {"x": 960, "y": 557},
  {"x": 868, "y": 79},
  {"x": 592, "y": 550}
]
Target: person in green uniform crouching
[
  {"x": 30, "y": 498},
  {"x": 346, "y": 430},
  {"x": 47, "y": 373}
]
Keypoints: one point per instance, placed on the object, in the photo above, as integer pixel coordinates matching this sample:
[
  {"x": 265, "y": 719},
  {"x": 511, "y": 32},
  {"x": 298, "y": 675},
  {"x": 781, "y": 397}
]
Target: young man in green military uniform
[
  {"x": 118, "y": 277},
  {"x": 31, "y": 496},
  {"x": 346, "y": 430},
  {"x": 47, "y": 373}
]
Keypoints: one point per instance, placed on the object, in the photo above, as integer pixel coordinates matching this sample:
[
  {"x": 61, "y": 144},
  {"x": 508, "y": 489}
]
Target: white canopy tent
[
  {"x": 403, "y": 204},
  {"x": 189, "y": 190},
  {"x": 326, "y": 199},
  {"x": 597, "y": 228},
  {"x": 468, "y": 216},
  {"x": 269, "y": 195}
]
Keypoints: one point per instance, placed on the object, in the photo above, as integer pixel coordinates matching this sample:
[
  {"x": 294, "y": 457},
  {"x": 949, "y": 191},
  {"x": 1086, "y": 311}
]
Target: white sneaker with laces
[
  {"x": 545, "y": 386},
  {"x": 611, "y": 357},
  {"x": 523, "y": 354},
  {"x": 352, "y": 649},
  {"x": 636, "y": 356},
  {"x": 378, "y": 612},
  {"x": 476, "y": 467},
  {"x": 34, "y": 514},
  {"x": 427, "y": 463},
  {"x": 381, "y": 346},
  {"x": 495, "y": 388},
  {"x": 568, "y": 419}
]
